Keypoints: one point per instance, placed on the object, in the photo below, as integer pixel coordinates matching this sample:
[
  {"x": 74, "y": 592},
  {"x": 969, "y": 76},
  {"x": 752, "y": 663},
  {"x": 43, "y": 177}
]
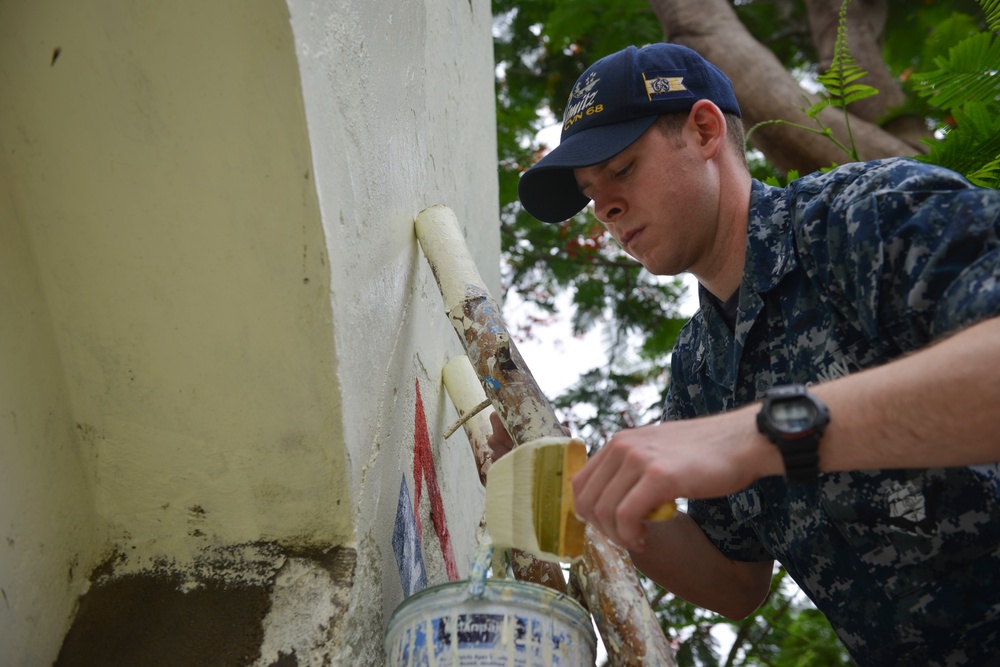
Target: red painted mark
[{"x": 423, "y": 471}]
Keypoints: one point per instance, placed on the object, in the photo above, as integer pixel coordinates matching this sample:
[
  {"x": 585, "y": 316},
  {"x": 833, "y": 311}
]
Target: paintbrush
[{"x": 529, "y": 499}]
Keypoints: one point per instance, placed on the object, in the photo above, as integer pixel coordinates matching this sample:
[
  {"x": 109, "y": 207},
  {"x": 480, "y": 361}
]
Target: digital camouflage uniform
[{"x": 844, "y": 271}]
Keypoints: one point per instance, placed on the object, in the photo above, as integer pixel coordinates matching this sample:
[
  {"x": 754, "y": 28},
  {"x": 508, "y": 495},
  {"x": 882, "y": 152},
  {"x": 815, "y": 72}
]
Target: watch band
[{"x": 801, "y": 459}]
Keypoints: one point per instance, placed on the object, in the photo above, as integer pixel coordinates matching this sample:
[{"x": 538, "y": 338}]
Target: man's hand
[
  {"x": 934, "y": 408},
  {"x": 680, "y": 557},
  {"x": 499, "y": 441},
  {"x": 639, "y": 469}
]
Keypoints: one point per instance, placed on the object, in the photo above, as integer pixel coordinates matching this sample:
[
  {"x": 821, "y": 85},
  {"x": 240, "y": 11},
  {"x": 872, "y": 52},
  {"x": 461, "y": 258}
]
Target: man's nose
[{"x": 609, "y": 209}]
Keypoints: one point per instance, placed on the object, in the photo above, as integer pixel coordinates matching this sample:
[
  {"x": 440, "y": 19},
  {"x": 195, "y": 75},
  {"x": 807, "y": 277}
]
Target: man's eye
[{"x": 624, "y": 171}]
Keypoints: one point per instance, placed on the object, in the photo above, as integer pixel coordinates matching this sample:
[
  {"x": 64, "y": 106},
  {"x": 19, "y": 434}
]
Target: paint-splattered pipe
[
  {"x": 605, "y": 575},
  {"x": 466, "y": 392}
]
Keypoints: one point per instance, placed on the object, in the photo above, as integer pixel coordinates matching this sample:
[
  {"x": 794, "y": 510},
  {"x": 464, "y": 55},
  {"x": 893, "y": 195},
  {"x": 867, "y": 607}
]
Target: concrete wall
[
  {"x": 220, "y": 347},
  {"x": 416, "y": 80}
]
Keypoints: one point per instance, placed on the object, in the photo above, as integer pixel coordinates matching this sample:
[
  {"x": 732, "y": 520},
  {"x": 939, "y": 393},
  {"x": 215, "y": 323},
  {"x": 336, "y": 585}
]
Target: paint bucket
[{"x": 512, "y": 624}]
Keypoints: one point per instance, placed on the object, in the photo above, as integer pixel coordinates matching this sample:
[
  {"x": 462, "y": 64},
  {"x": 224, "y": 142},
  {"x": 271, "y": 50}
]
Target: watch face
[{"x": 793, "y": 416}]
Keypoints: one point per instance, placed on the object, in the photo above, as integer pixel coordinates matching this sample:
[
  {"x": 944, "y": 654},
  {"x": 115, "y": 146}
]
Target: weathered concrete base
[{"x": 292, "y": 615}]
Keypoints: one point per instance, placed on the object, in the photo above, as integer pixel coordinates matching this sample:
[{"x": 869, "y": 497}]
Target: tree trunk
[{"x": 766, "y": 91}]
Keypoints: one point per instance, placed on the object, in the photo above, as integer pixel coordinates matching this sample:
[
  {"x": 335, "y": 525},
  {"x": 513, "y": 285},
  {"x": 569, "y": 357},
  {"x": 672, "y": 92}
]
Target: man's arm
[
  {"x": 678, "y": 556},
  {"x": 934, "y": 408}
]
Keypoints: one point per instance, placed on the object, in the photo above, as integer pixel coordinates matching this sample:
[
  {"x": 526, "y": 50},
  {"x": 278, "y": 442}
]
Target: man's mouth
[{"x": 630, "y": 235}]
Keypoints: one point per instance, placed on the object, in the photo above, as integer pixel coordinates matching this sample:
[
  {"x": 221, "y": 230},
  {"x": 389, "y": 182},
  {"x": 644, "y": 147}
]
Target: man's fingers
[
  {"x": 597, "y": 486},
  {"x": 616, "y": 490},
  {"x": 499, "y": 441},
  {"x": 642, "y": 499},
  {"x": 582, "y": 479}
]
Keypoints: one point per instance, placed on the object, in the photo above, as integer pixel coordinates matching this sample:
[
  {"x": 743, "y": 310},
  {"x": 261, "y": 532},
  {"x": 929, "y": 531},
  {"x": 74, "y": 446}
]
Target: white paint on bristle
[{"x": 509, "y": 499}]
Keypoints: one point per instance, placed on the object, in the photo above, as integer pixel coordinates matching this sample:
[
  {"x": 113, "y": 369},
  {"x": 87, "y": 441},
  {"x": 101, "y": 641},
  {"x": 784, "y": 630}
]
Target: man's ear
[{"x": 709, "y": 124}]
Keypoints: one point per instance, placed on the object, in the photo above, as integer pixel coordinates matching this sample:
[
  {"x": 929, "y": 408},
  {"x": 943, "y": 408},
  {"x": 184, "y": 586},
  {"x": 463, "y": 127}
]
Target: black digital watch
[{"x": 794, "y": 420}]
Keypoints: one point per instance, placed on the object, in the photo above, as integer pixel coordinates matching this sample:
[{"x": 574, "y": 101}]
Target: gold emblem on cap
[{"x": 663, "y": 84}]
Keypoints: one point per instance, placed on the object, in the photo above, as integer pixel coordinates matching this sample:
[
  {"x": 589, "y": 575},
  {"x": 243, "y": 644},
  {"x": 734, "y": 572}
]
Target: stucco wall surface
[
  {"x": 221, "y": 348},
  {"x": 49, "y": 532},
  {"x": 417, "y": 80}
]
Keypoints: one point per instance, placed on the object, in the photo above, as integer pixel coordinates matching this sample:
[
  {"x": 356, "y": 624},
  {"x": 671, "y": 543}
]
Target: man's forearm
[
  {"x": 680, "y": 558},
  {"x": 938, "y": 407},
  {"x": 934, "y": 408}
]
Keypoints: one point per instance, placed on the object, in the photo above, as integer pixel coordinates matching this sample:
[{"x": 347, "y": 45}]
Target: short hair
[{"x": 670, "y": 126}]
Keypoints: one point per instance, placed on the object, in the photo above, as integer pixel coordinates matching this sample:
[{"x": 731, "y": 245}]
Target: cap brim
[{"x": 548, "y": 190}]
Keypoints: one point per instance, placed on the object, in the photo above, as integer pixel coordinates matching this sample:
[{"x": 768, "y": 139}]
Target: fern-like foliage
[
  {"x": 973, "y": 148},
  {"x": 840, "y": 79},
  {"x": 968, "y": 75},
  {"x": 992, "y": 10},
  {"x": 987, "y": 176},
  {"x": 966, "y": 84}
]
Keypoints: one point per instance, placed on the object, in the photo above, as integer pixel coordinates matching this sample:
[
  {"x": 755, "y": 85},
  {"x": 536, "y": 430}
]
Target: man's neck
[{"x": 723, "y": 272}]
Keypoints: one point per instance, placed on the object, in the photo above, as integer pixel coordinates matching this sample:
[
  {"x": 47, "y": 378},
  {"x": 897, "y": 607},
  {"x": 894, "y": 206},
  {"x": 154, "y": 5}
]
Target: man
[{"x": 835, "y": 404}]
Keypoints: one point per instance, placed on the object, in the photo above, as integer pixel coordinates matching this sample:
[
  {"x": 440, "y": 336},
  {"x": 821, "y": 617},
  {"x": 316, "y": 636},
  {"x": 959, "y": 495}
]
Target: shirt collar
[
  {"x": 770, "y": 246},
  {"x": 769, "y": 257}
]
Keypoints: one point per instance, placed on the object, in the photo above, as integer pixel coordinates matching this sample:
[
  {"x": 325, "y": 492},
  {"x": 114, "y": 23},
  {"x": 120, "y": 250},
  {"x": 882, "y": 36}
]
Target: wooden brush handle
[
  {"x": 664, "y": 512},
  {"x": 607, "y": 578}
]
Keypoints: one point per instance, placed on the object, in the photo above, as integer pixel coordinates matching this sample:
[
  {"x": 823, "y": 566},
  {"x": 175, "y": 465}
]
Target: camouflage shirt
[{"x": 844, "y": 271}]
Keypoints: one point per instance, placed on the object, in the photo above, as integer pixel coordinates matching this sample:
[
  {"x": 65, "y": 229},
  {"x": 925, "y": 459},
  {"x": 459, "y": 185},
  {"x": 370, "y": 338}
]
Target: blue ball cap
[{"x": 611, "y": 105}]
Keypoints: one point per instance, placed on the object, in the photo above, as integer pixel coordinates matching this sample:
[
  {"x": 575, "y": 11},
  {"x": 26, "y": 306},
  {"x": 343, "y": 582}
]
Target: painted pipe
[
  {"x": 466, "y": 394},
  {"x": 605, "y": 577}
]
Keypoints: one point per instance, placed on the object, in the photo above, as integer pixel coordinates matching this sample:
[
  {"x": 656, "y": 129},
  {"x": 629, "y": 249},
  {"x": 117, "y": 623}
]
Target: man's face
[{"x": 659, "y": 199}]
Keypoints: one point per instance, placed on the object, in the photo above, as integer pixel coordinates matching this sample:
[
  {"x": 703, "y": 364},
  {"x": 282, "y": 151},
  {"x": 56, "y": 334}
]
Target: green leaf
[
  {"x": 972, "y": 146},
  {"x": 815, "y": 109},
  {"x": 858, "y": 92},
  {"x": 910, "y": 37},
  {"x": 970, "y": 73},
  {"x": 946, "y": 34},
  {"x": 987, "y": 176},
  {"x": 843, "y": 72},
  {"x": 992, "y": 10}
]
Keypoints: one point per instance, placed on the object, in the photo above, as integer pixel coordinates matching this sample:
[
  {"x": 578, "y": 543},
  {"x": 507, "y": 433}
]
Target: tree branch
[{"x": 766, "y": 90}]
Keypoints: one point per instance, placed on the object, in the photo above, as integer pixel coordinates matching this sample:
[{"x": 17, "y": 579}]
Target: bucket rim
[{"x": 492, "y": 586}]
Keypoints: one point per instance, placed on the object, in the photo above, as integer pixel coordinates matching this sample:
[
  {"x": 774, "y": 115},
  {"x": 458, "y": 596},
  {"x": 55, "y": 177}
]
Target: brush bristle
[{"x": 529, "y": 499}]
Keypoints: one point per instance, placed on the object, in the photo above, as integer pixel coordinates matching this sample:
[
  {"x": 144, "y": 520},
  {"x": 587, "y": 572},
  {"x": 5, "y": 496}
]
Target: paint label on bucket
[{"x": 493, "y": 640}]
